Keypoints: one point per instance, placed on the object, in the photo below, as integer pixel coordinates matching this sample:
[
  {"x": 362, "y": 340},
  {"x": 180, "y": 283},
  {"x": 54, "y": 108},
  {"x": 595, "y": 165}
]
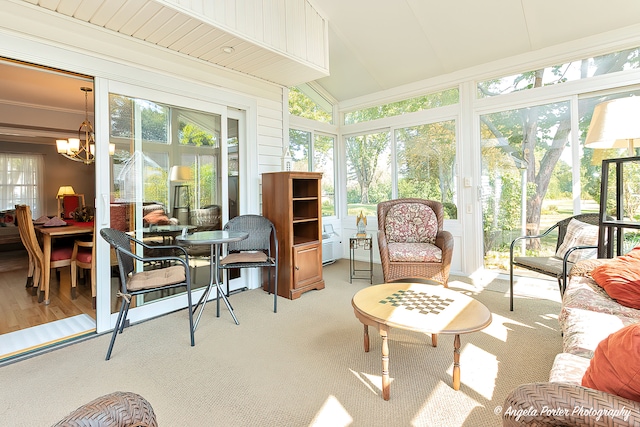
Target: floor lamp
[
  {"x": 181, "y": 175},
  {"x": 615, "y": 124}
]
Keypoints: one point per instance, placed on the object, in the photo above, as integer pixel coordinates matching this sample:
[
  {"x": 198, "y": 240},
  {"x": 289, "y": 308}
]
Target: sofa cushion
[
  {"x": 579, "y": 234},
  {"x": 568, "y": 368},
  {"x": 414, "y": 252},
  {"x": 615, "y": 366},
  {"x": 411, "y": 223},
  {"x": 620, "y": 278},
  {"x": 583, "y": 330},
  {"x": 584, "y": 292}
]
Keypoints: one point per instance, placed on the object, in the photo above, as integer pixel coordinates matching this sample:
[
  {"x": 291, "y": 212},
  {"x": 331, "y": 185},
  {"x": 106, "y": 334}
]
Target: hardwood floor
[{"x": 19, "y": 309}]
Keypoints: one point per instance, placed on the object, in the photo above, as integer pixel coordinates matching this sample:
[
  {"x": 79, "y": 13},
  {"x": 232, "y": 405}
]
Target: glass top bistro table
[
  {"x": 418, "y": 307},
  {"x": 215, "y": 239}
]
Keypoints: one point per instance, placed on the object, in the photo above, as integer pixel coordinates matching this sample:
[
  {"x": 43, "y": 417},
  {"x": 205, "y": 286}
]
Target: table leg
[
  {"x": 221, "y": 294},
  {"x": 366, "y": 338},
  {"x": 456, "y": 363},
  {"x": 385, "y": 364},
  {"x": 47, "y": 270},
  {"x": 434, "y": 340},
  {"x": 213, "y": 280}
]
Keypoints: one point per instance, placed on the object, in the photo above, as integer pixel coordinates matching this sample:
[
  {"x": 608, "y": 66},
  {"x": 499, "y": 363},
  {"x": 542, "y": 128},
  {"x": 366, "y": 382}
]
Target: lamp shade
[
  {"x": 180, "y": 174},
  {"x": 65, "y": 190},
  {"x": 615, "y": 124}
]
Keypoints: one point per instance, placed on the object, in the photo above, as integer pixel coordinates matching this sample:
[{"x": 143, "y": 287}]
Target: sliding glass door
[{"x": 175, "y": 166}]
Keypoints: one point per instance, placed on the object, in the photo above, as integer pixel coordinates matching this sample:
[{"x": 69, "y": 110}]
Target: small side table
[{"x": 364, "y": 241}]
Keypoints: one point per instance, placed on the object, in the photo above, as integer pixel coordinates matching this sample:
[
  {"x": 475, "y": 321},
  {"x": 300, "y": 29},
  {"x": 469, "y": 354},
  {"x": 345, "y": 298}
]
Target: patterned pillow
[
  {"x": 579, "y": 234},
  {"x": 8, "y": 218},
  {"x": 411, "y": 223}
]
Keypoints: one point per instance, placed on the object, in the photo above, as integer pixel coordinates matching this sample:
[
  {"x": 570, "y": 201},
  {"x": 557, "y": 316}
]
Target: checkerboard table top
[{"x": 420, "y": 307}]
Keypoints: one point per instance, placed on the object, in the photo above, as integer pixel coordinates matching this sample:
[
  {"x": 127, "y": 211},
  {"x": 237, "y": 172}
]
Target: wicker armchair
[
  {"x": 119, "y": 409},
  {"x": 407, "y": 249}
]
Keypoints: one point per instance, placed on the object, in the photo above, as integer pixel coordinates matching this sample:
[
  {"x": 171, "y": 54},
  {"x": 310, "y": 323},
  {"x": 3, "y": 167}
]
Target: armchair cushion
[
  {"x": 620, "y": 278},
  {"x": 615, "y": 366},
  {"x": 579, "y": 234},
  {"x": 242, "y": 257},
  {"x": 156, "y": 278},
  {"x": 411, "y": 223},
  {"x": 414, "y": 252}
]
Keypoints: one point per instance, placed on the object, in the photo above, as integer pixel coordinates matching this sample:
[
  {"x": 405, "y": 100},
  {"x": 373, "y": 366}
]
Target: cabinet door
[{"x": 307, "y": 265}]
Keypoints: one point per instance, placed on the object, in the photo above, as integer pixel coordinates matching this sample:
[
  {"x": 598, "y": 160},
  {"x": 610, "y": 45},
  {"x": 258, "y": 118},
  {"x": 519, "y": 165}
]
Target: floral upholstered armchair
[{"x": 411, "y": 240}]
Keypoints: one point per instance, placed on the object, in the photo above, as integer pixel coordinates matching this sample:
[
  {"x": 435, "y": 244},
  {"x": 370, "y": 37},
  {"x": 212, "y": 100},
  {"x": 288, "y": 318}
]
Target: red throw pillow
[
  {"x": 156, "y": 217},
  {"x": 620, "y": 278},
  {"x": 615, "y": 366}
]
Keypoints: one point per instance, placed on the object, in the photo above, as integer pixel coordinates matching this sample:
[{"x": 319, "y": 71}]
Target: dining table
[{"x": 49, "y": 234}]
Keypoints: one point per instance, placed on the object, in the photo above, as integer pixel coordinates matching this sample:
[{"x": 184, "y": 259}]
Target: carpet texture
[{"x": 304, "y": 366}]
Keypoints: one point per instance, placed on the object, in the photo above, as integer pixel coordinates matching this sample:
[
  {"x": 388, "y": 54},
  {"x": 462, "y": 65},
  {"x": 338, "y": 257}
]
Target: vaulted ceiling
[{"x": 374, "y": 45}]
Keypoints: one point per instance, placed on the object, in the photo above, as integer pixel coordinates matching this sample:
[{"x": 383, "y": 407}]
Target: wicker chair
[
  {"x": 259, "y": 250},
  {"x": 119, "y": 409},
  {"x": 414, "y": 257},
  {"x": 134, "y": 283},
  {"x": 549, "y": 265}
]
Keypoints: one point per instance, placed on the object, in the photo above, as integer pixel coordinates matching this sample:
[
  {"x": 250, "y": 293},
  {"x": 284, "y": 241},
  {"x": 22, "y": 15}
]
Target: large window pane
[
  {"x": 368, "y": 172},
  {"x": 526, "y": 177},
  {"x": 299, "y": 146},
  {"x": 426, "y": 159},
  {"x": 323, "y": 148},
  {"x": 605, "y": 64}
]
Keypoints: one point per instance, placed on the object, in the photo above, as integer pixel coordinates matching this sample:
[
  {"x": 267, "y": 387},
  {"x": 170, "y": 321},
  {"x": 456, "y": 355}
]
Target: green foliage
[
  {"x": 433, "y": 100},
  {"x": 302, "y": 106}
]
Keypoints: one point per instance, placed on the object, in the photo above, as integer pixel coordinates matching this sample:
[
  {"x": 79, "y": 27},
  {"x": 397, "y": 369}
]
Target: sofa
[{"x": 589, "y": 319}]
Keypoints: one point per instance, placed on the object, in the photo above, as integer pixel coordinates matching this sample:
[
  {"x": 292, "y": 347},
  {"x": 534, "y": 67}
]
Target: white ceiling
[{"x": 375, "y": 45}]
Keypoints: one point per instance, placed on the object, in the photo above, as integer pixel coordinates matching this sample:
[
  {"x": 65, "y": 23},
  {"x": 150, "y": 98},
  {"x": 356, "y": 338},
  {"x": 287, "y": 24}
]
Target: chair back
[
  {"x": 28, "y": 234},
  {"x": 121, "y": 242},
  {"x": 406, "y": 232},
  {"x": 260, "y": 229},
  {"x": 206, "y": 218}
]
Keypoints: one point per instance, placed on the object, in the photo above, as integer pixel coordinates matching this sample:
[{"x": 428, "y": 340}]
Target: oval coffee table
[{"x": 418, "y": 307}]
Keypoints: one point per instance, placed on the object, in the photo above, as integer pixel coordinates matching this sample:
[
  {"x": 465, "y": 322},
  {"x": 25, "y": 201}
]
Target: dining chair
[
  {"x": 60, "y": 254},
  {"x": 259, "y": 250},
  {"x": 173, "y": 273},
  {"x": 36, "y": 257},
  {"x": 84, "y": 256}
]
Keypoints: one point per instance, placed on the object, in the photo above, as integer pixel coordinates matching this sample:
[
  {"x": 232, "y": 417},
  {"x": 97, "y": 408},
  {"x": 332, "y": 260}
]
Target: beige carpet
[{"x": 304, "y": 366}]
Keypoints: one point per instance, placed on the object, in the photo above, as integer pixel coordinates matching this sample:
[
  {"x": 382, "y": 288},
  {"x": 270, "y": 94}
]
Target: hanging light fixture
[{"x": 82, "y": 148}]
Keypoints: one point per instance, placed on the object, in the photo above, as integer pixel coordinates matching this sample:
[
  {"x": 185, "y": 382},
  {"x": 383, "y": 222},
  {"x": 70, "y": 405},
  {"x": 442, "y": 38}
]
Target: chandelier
[{"x": 81, "y": 149}]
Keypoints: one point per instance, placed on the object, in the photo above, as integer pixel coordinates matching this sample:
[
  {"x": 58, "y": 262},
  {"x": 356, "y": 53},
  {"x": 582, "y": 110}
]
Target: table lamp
[
  {"x": 65, "y": 190},
  {"x": 615, "y": 124},
  {"x": 181, "y": 175}
]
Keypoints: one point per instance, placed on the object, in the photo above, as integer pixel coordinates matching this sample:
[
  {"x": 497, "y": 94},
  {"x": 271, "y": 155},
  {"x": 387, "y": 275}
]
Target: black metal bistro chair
[
  {"x": 558, "y": 267},
  {"x": 173, "y": 273},
  {"x": 259, "y": 250}
]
